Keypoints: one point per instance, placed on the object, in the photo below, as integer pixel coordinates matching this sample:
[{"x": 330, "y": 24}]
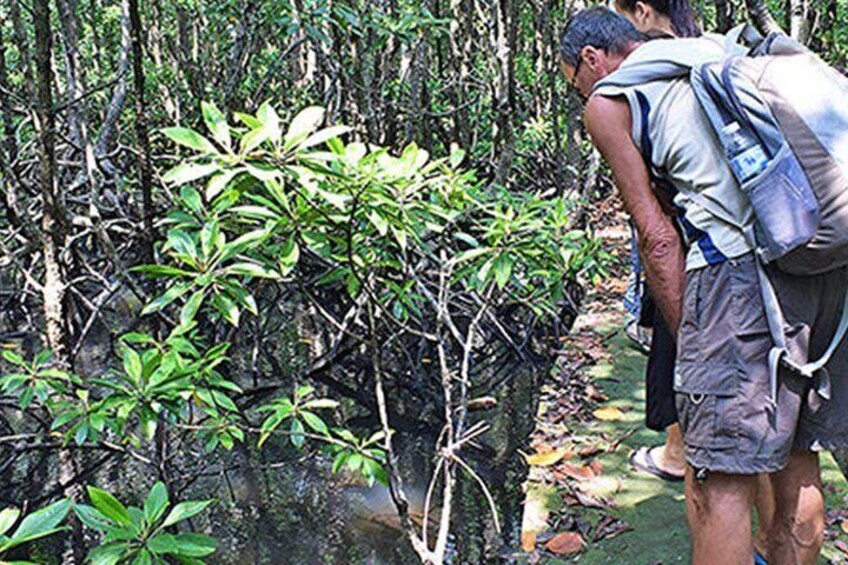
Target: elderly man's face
[{"x": 592, "y": 65}]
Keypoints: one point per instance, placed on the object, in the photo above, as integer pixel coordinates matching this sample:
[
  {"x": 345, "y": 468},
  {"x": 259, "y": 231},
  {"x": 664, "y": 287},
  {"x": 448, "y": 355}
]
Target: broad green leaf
[
  {"x": 13, "y": 358},
  {"x": 227, "y": 308},
  {"x": 270, "y": 121},
  {"x": 251, "y": 270},
  {"x": 289, "y": 256},
  {"x": 169, "y": 296},
  {"x": 132, "y": 364},
  {"x": 187, "y": 545},
  {"x": 41, "y": 523},
  {"x": 156, "y": 503},
  {"x": 321, "y": 403},
  {"x": 92, "y": 517},
  {"x": 190, "y": 308},
  {"x": 314, "y": 422},
  {"x": 219, "y": 182},
  {"x": 303, "y": 124},
  {"x": 216, "y": 122},
  {"x": 143, "y": 558},
  {"x": 109, "y": 506},
  {"x": 189, "y": 138},
  {"x": 7, "y": 519},
  {"x": 323, "y": 136},
  {"x": 185, "y": 173},
  {"x": 297, "y": 437},
  {"x": 110, "y": 554},
  {"x": 184, "y": 511},
  {"x": 379, "y": 222},
  {"x": 192, "y": 199}
]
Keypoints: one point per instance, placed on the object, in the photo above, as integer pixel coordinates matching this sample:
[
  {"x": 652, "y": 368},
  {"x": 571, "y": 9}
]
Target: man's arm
[{"x": 609, "y": 122}]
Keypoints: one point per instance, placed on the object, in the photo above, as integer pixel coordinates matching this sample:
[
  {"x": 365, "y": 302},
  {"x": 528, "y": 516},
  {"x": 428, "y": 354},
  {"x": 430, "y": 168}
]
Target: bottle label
[{"x": 749, "y": 163}]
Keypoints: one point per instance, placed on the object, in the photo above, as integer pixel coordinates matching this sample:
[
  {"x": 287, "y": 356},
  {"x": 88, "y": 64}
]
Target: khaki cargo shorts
[{"x": 721, "y": 379}]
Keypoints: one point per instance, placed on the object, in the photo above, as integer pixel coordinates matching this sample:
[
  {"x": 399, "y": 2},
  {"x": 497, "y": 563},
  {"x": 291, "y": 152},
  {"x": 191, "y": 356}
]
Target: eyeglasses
[
  {"x": 576, "y": 92},
  {"x": 573, "y": 82}
]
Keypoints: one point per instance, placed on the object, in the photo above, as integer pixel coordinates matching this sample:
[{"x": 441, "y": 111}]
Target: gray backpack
[{"x": 781, "y": 116}]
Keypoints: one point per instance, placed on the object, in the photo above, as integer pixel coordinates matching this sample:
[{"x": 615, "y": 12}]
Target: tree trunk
[
  {"x": 143, "y": 155},
  {"x": 54, "y": 230},
  {"x": 762, "y": 18},
  {"x": 108, "y": 132},
  {"x": 22, "y": 42},
  {"x": 725, "y": 15},
  {"x": 74, "y": 72},
  {"x": 800, "y": 12}
]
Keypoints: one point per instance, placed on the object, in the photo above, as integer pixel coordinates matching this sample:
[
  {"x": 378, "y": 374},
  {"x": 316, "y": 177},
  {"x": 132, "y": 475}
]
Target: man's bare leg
[
  {"x": 764, "y": 503},
  {"x": 719, "y": 514},
  {"x": 797, "y": 531},
  {"x": 670, "y": 456}
]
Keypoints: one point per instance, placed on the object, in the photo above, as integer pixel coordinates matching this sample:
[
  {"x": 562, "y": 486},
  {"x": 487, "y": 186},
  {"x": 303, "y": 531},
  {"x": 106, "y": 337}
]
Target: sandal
[{"x": 646, "y": 464}]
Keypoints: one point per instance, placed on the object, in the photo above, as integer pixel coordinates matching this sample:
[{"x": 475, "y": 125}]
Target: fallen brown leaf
[
  {"x": 577, "y": 472},
  {"x": 528, "y": 541},
  {"x": 565, "y": 543},
  {"x": 595, "y": 465},
  {"x": 844, "y": 526},
  {"x": 608, "y": 414},
  {"x": 842, "y": 546},
  {"x": 549, "y": 458}
]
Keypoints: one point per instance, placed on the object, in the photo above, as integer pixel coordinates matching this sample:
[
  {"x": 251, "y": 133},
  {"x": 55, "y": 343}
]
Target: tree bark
[
  {"x": 725, "y": 15},
  {"x": 762, "y": 18},
  {"x": 143, "y": 158},
  {"x": 108, "y": 132},
  {"x": 800, "y": 12}
]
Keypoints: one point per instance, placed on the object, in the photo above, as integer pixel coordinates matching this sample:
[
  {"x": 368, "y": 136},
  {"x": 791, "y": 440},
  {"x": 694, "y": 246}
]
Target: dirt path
[{"x": 584, "y": 502}]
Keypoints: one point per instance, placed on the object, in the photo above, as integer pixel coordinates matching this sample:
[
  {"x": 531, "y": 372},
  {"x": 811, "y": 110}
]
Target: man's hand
[{"x": 609, "y": 123}]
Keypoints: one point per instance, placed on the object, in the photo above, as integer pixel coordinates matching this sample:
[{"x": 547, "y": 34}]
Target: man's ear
[
  {"x": 590, "y": 56},
  {"x": 643, "y": 13}
]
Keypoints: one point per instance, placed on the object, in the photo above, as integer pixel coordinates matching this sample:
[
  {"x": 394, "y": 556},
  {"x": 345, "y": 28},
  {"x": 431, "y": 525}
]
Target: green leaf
[
  {"x": 110, "y": 554},
  {"x": 92, "y": 517},
  {"x": 251, "y": 270},
  {"x": 143, "y": 558},
  {"x": 314, "y": 422},
  {"x": 187, "y": 545},
  {"x": 8, "y": 517},
  {"x": 379, "y": 222},
  {"x": 13, "y": 358},
  {"x": 227, "y": 308},
  {"x": 303, "y": 124},
  {"x": 132, "y": 364},
  {"x": 297, "y": 437},
  {"x": 185, "y": 173},
  {"x": 156, "y": 503},
  {"x": 41, "y": 523},
  {"x": 323, "y": 136},
  {"x": 184, "y": 511},
  {"x": 216, "y": 123},
  {"x": 218, "y": 183},
  {"x": 503, "y": 269},
  {"x": 289, "y": 256},
  {"x": 169, "y": 296},
  {"x": 322, "y": 403},
  {"x": 192, "y": 199},
  {"x": 109, "y": 506},
  {"x": 189, "y": 138},
  {"x": 190, "y": 308}
]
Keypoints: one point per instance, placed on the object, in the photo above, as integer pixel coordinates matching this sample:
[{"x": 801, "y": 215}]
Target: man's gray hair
[{"x": 601, "y": 28}]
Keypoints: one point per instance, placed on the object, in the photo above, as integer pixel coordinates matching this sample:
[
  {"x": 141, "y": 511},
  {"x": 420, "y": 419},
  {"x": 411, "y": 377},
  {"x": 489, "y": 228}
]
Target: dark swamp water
[{"x": 278, "y": 505}]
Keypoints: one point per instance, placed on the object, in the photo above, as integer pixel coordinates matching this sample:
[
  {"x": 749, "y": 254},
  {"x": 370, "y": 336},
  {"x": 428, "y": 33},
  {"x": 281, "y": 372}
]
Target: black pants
[{"x": 660, "y": 411}]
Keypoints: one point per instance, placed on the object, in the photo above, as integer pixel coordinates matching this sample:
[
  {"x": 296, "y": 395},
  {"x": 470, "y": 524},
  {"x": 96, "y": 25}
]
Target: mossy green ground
[{"x": 653, "y": 508}]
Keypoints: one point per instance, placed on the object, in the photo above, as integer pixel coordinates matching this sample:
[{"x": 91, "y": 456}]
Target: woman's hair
[{"x": 678, "y": 11}]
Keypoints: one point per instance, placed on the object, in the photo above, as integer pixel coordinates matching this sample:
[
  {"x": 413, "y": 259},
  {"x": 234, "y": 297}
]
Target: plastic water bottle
[{"x": 744, "y": 153}]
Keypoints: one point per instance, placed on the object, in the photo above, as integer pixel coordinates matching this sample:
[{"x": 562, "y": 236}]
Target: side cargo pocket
[{"x": 708, "y": 404}]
